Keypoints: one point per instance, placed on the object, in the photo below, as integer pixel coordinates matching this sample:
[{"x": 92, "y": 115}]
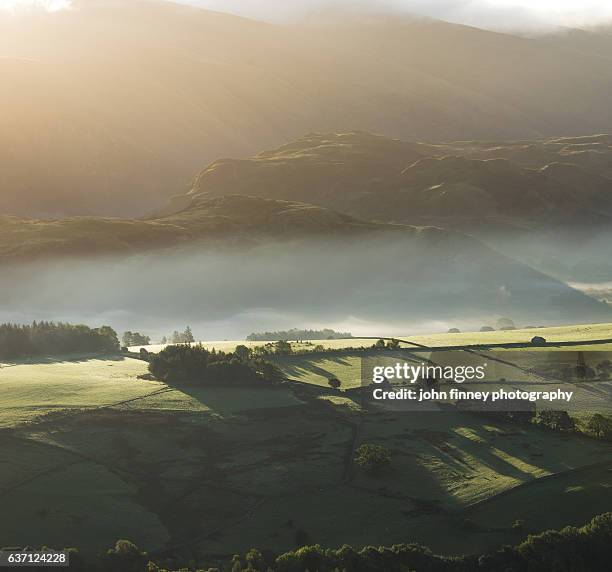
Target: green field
[
  {"x": 33, "y": 389},
  {"x": 91, "y": 453},
  {"x": 552, "y": 334},
  {"x": 513, "y": 372}
]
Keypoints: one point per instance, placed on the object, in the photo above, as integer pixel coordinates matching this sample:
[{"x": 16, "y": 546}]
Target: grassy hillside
[
  {"x": 121, "y": 102},
  {"x": 191, "y": 469},
  {"x": 233, "y": 218},
  {"x": 545, "y": 202},
  {"x": 37, "y": 387},
  {"x": 456, "y": 184}
]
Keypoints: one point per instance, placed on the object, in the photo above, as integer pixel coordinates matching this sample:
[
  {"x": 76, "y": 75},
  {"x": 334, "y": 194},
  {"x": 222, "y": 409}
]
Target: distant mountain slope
[
  {"x": 592, "y": 153},
  {"x": 317, "y": 168},
  {"x": 232, "y": 218},
  {"x": 374, "y": 177},
  {"x": 110, "y": 107}
]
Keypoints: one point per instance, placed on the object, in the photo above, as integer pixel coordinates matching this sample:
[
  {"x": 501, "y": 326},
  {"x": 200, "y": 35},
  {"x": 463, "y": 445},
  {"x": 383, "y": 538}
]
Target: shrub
[
  {"x": 125, "y": 557},
  {"x": 334, "y": 383},
  {"x": 557, "y": 420},
  {"x": 373, "y": 458},
  {"x": 600, "y": 426}
]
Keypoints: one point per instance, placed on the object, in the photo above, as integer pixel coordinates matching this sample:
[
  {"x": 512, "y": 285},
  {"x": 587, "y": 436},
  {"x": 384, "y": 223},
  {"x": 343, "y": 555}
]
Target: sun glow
[{"x": 49, "y": 5}]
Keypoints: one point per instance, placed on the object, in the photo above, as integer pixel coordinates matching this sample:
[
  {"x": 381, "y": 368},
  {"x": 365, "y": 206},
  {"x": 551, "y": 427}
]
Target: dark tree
[
  {"x": 373, "y": 458},
  {"x": 51, "y": 338},
  {"x": 195, "y": 364},
  {"x": 188, "y": 336},
  {"x": 600, "y": 426},
  {"x": 125, "y": 557},
  {"x": 135, "y": 339},
  {"x": 557, "y": 420},
  {"x": 243, "y": 352},
  {"x": 334, "y": 382},
  {"x": 283, "y": 348}
]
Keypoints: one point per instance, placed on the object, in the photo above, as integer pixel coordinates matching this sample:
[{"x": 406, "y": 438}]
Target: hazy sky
[
  {"x": 482, "y": 13},
  {"x": 493, "y": 14},
  {"x": 51, "y": 5}
]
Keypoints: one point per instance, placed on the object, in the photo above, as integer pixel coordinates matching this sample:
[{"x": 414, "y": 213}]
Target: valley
[{"x": 151, "y": 461}]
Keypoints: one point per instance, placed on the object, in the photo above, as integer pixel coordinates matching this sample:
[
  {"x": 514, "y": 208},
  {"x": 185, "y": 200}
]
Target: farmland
[
  {"x": 92, "y": 453},
  {"x": 572, "y": 333},
  {"x": 33, "y": 388}
]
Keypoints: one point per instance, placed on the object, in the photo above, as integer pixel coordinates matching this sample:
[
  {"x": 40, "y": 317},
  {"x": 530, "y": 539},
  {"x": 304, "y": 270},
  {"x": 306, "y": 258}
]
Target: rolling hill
[
  {"x": 232, "y": 219},
  {"x": 110, "y": 107},
  {"x": 545, "y": 202},
  {"x": 238, "y": 255},
  {"x": 460, "y": 185}
]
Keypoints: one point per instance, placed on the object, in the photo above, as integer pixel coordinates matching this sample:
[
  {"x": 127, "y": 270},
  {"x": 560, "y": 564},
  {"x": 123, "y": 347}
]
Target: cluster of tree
[
  {"x": 580, "y": 371},
  {"x": 195, "y": 364},
  {"x": 49, "y": 338},
  {"x": 555, "y": 420},
  {"x": 296, "y": 334},
  {"x": 386, "y": 345},
  {"x": 283, "y": 348},
  {"x": 583, "y": 371},
  {"x": 573, "y": 548},
  {"x": 598, "y": 426},
  {"x": 184, "y": 337},
  {"x": 135, "y": 339},
  {"x": 503, "y": 324},
  {"x": 279, "y": 348}
]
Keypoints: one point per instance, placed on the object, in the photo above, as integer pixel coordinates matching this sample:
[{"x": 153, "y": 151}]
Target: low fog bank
[
  {"x": 573, "y": 255},
  {"x": 370, "y": 287}
]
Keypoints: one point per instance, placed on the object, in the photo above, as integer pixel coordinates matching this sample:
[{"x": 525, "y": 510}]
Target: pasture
[
  {"x": 91, "y": 453},
  {"x": 31, "y": 388},
  {"x": 584, "y": 332}
]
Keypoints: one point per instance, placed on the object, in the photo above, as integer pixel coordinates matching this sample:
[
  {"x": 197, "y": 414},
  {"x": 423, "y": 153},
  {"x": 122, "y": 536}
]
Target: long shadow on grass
[
  {"x": 228, "y": 399},
  {"x": 299, "y": 365},
  {"x": 65, "y": 358},
  {"x": 434, "y": 462},
  {"x": 528, "y": 447}
]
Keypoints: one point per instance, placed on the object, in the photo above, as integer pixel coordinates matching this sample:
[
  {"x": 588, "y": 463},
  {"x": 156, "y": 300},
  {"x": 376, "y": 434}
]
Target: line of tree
[
  {"x": 195, "y": 364},
  {"x": 284, "y": 348},
  {"x": 586, "y": 548},
  {"x": 51, "y": 338},
  {"x": 297, "y": 334}
]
